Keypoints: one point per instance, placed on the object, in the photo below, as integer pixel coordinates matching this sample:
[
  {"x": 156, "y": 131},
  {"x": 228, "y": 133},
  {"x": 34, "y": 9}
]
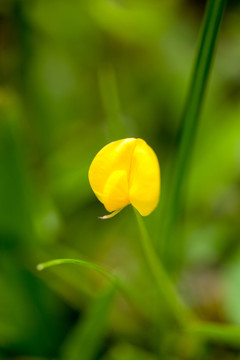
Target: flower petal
[
  {"x": 116, "y": 191},
  {"x": 144, "y": 179},
  {"x": 112, "y": 157},
  {"x": 126, "y": 171}
]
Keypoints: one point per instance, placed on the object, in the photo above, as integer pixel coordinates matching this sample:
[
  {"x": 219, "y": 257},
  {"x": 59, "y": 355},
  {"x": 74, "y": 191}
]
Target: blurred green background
[{"x": 75, "y": 75}]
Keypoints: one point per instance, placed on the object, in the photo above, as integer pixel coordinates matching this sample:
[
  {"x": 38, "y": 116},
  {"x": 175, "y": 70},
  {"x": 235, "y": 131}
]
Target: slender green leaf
[
  {"x": 124, "y": 351},
  {"x": 221, "y": 333},
  {"x": 125, "y": 290},
  {"x": 87, "y": 337},
  {"x": 208, "y": 37},
  {"x": 87, "y": 264}
]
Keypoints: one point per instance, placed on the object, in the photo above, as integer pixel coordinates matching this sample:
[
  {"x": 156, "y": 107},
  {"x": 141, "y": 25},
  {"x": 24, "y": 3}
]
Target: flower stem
[{"x": 175, "y": 304}]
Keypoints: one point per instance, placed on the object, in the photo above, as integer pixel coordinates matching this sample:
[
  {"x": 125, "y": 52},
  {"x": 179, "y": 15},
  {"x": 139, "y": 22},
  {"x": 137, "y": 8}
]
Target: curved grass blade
[
  {"x": 122, "y": 287},
  {"x": 83, "y": 263}
]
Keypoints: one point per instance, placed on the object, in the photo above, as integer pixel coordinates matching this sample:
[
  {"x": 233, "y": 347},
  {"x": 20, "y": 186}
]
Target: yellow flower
[{"x": 126, "y": 172}]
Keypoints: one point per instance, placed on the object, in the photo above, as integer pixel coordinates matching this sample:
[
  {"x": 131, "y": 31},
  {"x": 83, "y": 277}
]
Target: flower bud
[{"x": 126, "y": 172}]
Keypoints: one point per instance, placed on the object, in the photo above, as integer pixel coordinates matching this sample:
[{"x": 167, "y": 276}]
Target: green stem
[
  {"x": 216, "y": 332},
  {"x": 208, "y": 36},
  {"x": 175, "y": 304}
]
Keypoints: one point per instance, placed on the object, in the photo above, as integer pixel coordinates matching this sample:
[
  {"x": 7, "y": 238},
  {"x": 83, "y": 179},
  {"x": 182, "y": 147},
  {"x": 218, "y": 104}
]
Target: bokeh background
[{"x": 75, "y": 75}]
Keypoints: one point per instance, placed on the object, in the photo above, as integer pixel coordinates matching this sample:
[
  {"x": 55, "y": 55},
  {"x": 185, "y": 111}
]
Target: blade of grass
[
  {"x": 221, "y": 333},
  {"x": 208, "y": 37},
  {"x": 84, "y": 263},
  {"x": 112, "y": 278},
  {"x": 87, "y": 337},
  {"x": 15, "y": 221}
]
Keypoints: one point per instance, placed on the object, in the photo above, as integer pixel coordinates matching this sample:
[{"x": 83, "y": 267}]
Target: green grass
[
  {"x": 75, "y": 76},
  {"x": 188, "y": 127}
]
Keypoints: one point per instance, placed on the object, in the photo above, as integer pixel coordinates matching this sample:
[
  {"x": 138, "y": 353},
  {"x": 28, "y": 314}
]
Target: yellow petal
[
  {"x": 126, "y": 171},
  {"x": 115, "y": 156},
  {"x": 116, "y": 191},
  {"x": 144, "y": 181}
]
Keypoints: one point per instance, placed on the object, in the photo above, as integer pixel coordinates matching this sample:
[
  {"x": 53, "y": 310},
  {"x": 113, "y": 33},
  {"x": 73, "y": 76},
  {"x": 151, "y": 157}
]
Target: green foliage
[
  {"x": 75, "y": 75},
  {"x": 85, "y": 339}
]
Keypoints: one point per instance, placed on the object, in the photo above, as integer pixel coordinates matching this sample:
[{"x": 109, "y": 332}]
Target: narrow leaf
[{"x": 87, "y": 337}]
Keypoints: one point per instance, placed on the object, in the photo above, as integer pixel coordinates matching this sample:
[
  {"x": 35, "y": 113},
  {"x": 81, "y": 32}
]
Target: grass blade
[
  {"x": 84, "y": 263},
  {"x": 208, "y": 37},
  {"x": 219, "y": 333},
  {"x": 111, "y": 277},
  {"x": 85, "y": 340}
]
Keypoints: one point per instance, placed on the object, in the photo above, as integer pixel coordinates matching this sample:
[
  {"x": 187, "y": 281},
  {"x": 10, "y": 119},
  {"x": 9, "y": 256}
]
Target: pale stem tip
[
  {"x": 109, "y": 216},
  {"x": 40, "y": 267}
]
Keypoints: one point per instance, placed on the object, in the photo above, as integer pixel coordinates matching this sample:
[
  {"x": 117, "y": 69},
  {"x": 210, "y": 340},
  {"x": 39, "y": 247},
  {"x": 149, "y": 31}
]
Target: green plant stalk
[
  {"x": 208, "y": 37},
  {"x": 216, "y": 332},
  {"x": 175, "y": 304}
]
